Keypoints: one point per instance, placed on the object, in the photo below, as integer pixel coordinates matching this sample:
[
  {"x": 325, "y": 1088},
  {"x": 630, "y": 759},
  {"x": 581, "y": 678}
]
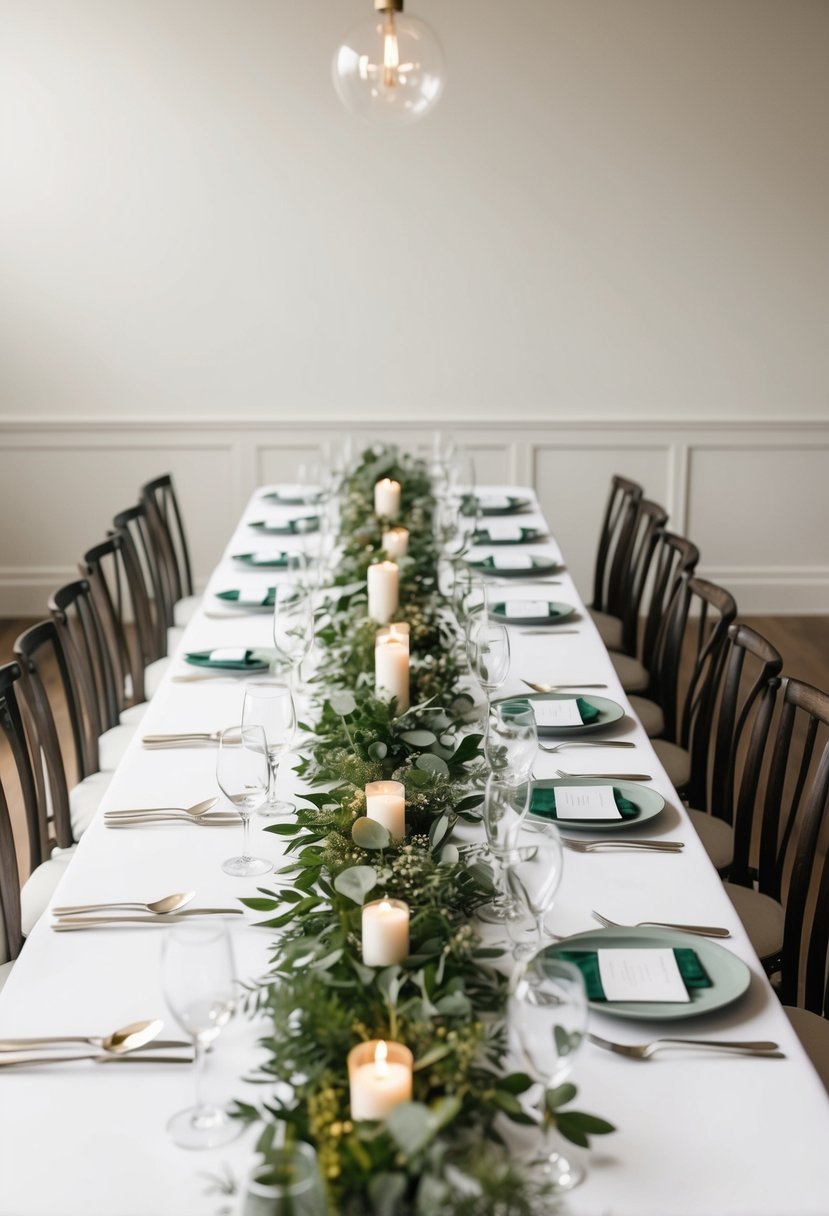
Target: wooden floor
[{"x": 803, "y": 642}]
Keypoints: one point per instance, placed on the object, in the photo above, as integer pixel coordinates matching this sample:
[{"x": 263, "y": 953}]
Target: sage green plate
[
  {"x": 540, "y": 565},
  {"x": 729, "y": 975},
  {"x": 648, "y": 803},
  {"x": 233, "y": 596},
  {"x": 563, "y": 612},
  {"x": 514, "y": 505},
  {"x": 609, "y": 712},
  {"x": 528, "y": 536},
  {"x": 292, "y": 527},
  {"x": 279, "y": 561}
]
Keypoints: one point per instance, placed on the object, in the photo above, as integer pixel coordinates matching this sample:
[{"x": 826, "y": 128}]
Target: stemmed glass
[
  {"x": 533, "y": 878},
  {"x": 548, "y": 1012},
  {"x": 199, "y": 986},
  {"x": 511, "y": 741},
  {"x": 293, "y": 625},
  {"x": 288, "y": 1185},
  {"x": 505, "y": 807},
  {"x": 489, "y": 653},
  {"x": 243, "y": 775},
  {"x": 273, "y": 709}
]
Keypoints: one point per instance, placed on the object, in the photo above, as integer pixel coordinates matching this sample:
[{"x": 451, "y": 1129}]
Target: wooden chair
[
  {"x": 20, "y": 909},
  {"x": 122, "y": 603},
  {"x": 673, "y": 557},
  {"x": 70, "y": 784},
  {"x": 172, "y": 553},
  {"x": 137, "y": 534},
  {"x": 740, "y": 702},
  {"x": 650, "y": 523},
  {"x": 612, "y": 557}
]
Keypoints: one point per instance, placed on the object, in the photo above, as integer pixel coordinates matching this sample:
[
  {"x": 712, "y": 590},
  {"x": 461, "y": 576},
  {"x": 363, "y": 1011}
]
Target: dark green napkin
[
  {"x": 482, "y": 537},
  {"x": 691, "y": 969},
  {"x": 543, "y": 803},
  {"x": 252, "y": 660},
  {"x": 278, "y": 562},
  {"x": 500, "y": 609},
  {"x": 291, "y": 527},
  {"x": 232, "y": 596},
  {"x": 488, "y": 563},
  {"x": 588, "y": 712}
]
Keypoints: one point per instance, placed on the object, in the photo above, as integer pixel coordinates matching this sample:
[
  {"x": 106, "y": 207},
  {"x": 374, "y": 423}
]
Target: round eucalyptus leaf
[
  {"x": 342, "y": 703},
  {"x": 449, "y": 855},
  {"x": 419, "y": 738},
  {"x": 432, "y": 764},
  {"x": 378, "y": 751},
  {"x": 356, "y": 882},
  {"x": 369, "y": 834}
]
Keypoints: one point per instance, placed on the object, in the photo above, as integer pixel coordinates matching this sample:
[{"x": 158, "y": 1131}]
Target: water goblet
[
  {"x": 533, "y": 878},
  {"x": 548, "y": 1014},
  {"x": 511, "y": 740},
  {"x": 243, "y": 776},
  {"x": 489, "y": 653},
  {"x": 293, "y": 625},
  {"x": 273, "y": 709},
  {"x": 199, "y": 987},
  {"x": 505, "y": 807},
  {"x": 287, "y": 1185}
]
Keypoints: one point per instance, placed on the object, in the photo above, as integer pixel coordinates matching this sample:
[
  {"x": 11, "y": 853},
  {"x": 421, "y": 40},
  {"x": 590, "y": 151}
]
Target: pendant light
[{"x": 389, "y": 69}]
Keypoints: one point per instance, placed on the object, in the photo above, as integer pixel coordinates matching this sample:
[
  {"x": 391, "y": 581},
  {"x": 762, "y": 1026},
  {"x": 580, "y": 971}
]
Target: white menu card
[
  {"x": 586, "y": 802},
  {"x": 641, "y": 975}
]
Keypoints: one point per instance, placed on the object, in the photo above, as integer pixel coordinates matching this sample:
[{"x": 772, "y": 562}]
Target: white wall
[{"x": 616, "y": 217}]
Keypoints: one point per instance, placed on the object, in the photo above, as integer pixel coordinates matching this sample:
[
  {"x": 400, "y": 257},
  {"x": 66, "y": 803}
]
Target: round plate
[
  {"x": 729, "y": 975},
  {"x": 563, "y": 613},
  {"x": 513, "y": 506},
  {"x": 609, "y": 712},
  {"x": 540, "y": 565},
  {"x": 648, "y": 803},
  {"x": 233, "y": 597},
  {"x": 528, "y": 536},
  {"x": 279, "y": 561},
  {"x": 294, "y": 527},
  {"x": 201, "y": 658}
]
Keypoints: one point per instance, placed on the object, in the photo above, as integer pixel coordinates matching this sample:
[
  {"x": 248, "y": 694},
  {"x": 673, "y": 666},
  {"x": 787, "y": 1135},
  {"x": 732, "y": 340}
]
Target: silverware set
[
  {"x": 126, "y": 1045},
  {"x": 201, "y": 815},
  {"x": 182, "y": 739},
  {"x": 644, "y": 1051},
  {"x": 628, "y": 846},
  {"x": 697, "y": 930},
  {"x": 171, "y": 910}
]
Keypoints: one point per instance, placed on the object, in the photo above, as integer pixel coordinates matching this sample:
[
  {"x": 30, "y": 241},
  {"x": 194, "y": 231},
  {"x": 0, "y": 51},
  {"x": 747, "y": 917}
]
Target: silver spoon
[
  {"x": 170, "y": 903},
  {"x": 128, "y": 1038},
  {"x": 195, "y": 812}
]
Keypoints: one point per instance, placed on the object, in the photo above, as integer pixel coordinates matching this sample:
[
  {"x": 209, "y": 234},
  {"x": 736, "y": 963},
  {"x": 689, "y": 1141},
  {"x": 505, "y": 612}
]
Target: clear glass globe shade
[{"x": 389, "y": 69}]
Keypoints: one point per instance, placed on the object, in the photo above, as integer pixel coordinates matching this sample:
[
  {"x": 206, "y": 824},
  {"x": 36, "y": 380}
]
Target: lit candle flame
[
  {"x": 385, "y": 906},
  {"x": 381, "y": 1055}
]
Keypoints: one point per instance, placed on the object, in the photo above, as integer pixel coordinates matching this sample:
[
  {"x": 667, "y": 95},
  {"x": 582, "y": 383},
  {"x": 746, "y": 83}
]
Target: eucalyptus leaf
[
  {"x": 430, "y": 763},
  {"x": 412, "y": 1127},
  {"x": 419, "y": 738},
  {"x": 342, "y": 703},
  {"x": 385, "y": 1192},
  {"x": 379, "y": 751},
  {"x": 369, "y": 834},
  {"x": 356, "y": 882}
]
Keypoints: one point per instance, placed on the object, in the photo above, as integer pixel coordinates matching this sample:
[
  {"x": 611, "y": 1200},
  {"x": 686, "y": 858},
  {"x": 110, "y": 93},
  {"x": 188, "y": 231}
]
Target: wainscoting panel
[{"x": 753, "y": 495}]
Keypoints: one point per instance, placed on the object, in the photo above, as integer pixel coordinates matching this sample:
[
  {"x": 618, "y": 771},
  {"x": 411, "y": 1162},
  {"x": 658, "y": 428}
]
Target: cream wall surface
[{"x": 606, "y": 251}]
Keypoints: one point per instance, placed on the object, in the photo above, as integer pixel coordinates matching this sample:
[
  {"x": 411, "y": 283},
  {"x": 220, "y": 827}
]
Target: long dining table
[{"x": 698, "y": 1134}]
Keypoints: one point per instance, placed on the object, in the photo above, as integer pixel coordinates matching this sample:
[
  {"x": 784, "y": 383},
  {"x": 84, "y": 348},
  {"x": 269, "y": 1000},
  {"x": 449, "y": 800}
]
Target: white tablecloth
[{"x": 702, "y": 1136}]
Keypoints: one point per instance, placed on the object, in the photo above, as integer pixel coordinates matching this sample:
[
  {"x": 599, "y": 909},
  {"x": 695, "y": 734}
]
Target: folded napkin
[
  {"x": 268, "y": 561},
  {"x": 691, "y": 969},
  {"x": 543, "y": 803},
  {"x": 232, "y": 597},
  {"x": 588, "y": 712},
  {"x": 230, "y": 657},
  {"x": 291, "y": 527},
  {"x": 484, "y": 537},
  {"x": 489, "y": 563},
  {"x": 500, "y": 609}
]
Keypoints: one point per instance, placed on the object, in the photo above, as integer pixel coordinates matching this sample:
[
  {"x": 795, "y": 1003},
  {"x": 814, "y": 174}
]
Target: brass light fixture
[{"x": 389, "y": 69}]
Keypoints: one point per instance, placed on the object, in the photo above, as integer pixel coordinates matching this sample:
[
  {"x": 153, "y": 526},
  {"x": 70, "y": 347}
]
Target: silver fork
[
  {"x": 644, "y": 846},
  {"x": 557, "y": 747},
  {"x": 559, "y": 687},
  {"x": 607, "y": 776},
  {"x": 699, "y": 930},
  {"x": 644, "y": 1051}
]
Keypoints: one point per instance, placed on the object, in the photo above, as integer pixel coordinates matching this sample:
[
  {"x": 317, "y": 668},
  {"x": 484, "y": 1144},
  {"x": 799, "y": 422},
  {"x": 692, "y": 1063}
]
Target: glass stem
[
  {"x": 199, "y": 1052},
  {"x": 273, "y": 773},
  {"x": 246, "y": 838}
]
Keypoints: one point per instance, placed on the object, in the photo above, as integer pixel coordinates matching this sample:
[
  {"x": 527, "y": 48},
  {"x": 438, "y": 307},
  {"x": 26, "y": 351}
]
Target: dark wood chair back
[
  {"x": 12, "y": 726},
  {"x": 615, "y": 539},
  {"x": 650, "y": 521},
  {"x": 137, "y": 535},
  {"x": 673, "y": 558},
  {"x": 734, "y": 707},
  {"x": 41, "y": 656},
  {"x": 74, "y": 612},
  {"x": 167, "y": 528},
  {"x": 790, "y": 788},
  {"x": 123, "y": 607}
]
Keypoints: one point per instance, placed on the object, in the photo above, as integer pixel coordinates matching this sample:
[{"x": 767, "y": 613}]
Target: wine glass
[
  {"x": 288, "y": 1185},
  {"x": 533, "y": 878},
  {"x": 199, "y": 986},
  {"x": 273, "y": 709},
  {"x": 293, "y": 624},
  {"x": 489, "y": 653},
  {"x": 511, "y": 740},
  {"x": 548, "y": 1013},
  {"x": 505, "y": 807},
  {"x": 243, "y": 775}
]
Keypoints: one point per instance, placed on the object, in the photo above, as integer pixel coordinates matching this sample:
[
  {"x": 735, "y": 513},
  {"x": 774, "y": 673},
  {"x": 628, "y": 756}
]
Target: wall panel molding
[{"x": 749, "y": 491}]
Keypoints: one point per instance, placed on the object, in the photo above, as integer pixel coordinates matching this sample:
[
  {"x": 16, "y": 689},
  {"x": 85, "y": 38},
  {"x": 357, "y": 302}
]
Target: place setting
[
  {"x": 495, "y": 504},
  {"x": 535, "y": 612},
  {"x": 300, "y": 525},
  {"x": 137, "y": 1043},
  {"x": 167, "y": 910},
  {"x": 515, "y": 565},
  {"x": 508, "y": 534}
]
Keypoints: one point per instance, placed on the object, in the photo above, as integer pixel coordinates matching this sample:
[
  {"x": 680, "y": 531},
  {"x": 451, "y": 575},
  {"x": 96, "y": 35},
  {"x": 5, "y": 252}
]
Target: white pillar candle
[
  {"x": 383, "y": 591},
  {"x": 399, "y": 630},
  {"x": 387, "y": 498},
  {"x": 391, "y": 671},
  {"x": 379, "y": 1078},
  {"x": 396, "y": 542},
  {"x": 385, "y": 932},
  {"x": 386, "y": 803}
]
